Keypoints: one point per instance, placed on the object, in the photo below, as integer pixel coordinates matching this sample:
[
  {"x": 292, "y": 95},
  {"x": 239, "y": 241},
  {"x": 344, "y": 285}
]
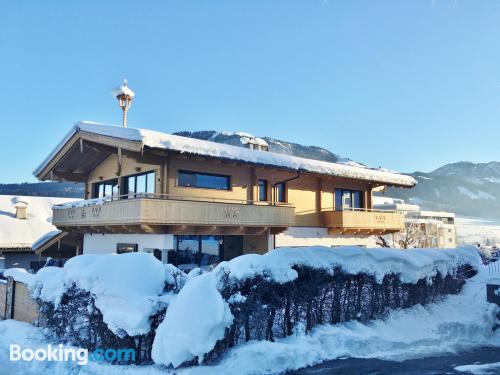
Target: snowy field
[
  {"x": 459, "y": 322},
  {"x": 475, "y": 230}
]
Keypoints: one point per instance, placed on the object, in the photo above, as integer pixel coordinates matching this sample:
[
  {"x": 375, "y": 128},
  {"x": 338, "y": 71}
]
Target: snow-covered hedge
[
  {"x": 263, "y": 297},
  {"x": 106, "y": 301},
  {"x": 134, "y": 301}
]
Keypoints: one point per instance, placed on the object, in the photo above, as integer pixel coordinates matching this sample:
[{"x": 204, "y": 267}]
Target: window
[
  {"x": 143, "y": 183},
  {"x": 203, "y": 180},
  {"x": 281, "y": 192},
  {"x": 348, "y": 199},
  {"x": 200, "y": 250},
  {"x": 106, "y": 189},
  {"x": 123, "y": 248},
  {"x": 263, "y": 190}
]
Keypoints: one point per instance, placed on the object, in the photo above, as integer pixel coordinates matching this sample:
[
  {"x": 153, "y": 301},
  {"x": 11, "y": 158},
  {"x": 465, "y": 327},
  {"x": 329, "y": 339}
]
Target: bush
[{"x": 266, "y": 310}]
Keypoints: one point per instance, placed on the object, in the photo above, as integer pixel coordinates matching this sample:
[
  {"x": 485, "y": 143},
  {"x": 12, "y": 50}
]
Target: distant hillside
[
  {"x": 465, "y": 188},
  {"x": 275, "y": 145},
  {"x": 44, "y": 189}
]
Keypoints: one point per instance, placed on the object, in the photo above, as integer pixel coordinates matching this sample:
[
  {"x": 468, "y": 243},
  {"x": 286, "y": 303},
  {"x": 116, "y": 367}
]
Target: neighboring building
[
  {"x": 27, "y": 236},
  {"x": 437, "y": 228},
  {"x": 195, "y": 201}
]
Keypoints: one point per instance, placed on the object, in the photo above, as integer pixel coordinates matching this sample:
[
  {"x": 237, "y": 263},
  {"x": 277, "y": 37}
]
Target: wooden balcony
[
  {"x": 176, "y": 215},
  {"x": 367, "y": 222}
]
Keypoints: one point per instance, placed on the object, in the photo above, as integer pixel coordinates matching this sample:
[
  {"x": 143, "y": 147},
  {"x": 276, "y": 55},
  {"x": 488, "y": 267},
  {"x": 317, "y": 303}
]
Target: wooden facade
[{"x": 310, "y": 197}]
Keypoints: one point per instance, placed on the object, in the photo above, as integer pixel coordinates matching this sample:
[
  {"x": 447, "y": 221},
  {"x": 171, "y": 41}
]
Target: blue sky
[{"x": 408, "y": 85}]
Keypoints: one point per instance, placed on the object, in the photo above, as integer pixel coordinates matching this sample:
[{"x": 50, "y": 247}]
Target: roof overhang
[
  {"x": 42, "y": 246},
  {"x": 88, "y": 144},
  {"x": 79, "y": 153}
]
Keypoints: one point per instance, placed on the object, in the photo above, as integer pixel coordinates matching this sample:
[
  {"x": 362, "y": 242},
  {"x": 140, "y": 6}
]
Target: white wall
[
  {"x": 106, "y": 243},
  {"x": 317, "y": 236}
]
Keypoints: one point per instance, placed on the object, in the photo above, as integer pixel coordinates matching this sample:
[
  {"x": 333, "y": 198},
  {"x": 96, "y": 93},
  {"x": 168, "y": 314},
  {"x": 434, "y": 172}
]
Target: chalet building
[
  {"x": 191, "y": 201},
  {"x": 437, "y": 228},
  {"x": 27, "y": 236}
]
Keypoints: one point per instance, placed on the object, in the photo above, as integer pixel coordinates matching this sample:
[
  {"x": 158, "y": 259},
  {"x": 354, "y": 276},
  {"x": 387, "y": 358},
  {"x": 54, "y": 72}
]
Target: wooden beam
[
  {"x": 256, "y": 231},
  {"x": 69, "y": 176},
  {"x": 148, "y": 229}
]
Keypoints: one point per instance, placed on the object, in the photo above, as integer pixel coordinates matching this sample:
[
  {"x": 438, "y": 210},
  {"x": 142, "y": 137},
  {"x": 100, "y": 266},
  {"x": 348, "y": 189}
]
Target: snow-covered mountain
[
  {"x": 275, "y": 145},
  {"x": 465, "y": 188}
]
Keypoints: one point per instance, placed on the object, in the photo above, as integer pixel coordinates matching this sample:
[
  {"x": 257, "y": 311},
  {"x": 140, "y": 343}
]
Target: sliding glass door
[{"x": 348, "y": 199}]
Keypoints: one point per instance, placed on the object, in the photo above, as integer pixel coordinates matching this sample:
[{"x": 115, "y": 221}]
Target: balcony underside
[
  {"x": 360, "y": 231},
  {"x": 175, "y": 229},
  {"x": 363, "y": 222}
]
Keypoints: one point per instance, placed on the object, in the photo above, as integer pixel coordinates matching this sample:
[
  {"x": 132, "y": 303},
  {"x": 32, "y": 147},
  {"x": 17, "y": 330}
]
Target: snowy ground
[
  {"x": 456, "y": 323},
  {"x": 475, "y": 230}
]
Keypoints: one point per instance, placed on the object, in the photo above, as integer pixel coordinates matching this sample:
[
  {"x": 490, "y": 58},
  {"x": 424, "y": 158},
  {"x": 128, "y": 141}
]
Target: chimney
[
  {"x": 253, "y": 143},
  {"x": 21, "y": 208}
]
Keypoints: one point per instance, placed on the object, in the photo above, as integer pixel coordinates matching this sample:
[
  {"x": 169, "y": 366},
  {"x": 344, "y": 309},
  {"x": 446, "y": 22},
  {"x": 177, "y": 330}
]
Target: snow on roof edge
[{"x": 155, "y": 139}]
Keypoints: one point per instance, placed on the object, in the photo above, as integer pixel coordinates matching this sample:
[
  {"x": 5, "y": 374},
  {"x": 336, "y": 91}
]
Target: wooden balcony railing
[
  {"x": 152, "y": 211},
  {"x": 363, "y": 221}
]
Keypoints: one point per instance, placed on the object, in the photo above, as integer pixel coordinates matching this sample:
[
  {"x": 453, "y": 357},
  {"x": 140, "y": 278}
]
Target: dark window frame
[
  {"x": 198, "y": 254},
  {"x": 135, "y": 193},
  {"x": 131, "y": 245},
  {"x": 338, "y": 198},
  {"x": 194, "y": 173},
  {"x": 282, "y": 190},
  {"x": 262, "y": 189},
  {"x": 111, "y": 182}
]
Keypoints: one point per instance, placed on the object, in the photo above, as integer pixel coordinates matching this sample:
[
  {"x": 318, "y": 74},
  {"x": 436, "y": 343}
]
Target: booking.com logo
[{"x": 60, "y": 353}]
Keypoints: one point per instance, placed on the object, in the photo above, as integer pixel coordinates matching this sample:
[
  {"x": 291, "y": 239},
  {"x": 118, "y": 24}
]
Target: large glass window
[
  {"x": 197, "y": 250},
  {"x": 106, "y": 189},
  {"x": 210, "y": 245},
  {"x": 140, "y": 184},
  {"x": 203, "y": 180},
  {"x": 263, "y": 190},
  {"x": 281, "y": 192},
  {"x": 348, "y": 199}
]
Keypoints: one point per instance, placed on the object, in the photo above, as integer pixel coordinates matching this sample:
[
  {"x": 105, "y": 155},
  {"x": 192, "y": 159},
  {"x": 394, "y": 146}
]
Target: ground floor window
[
  {"x": 196, "y": 250},
  {"x": 123, "y": 248}
]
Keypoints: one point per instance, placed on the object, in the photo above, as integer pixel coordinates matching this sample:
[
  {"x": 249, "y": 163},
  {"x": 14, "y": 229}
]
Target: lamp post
[{"x": 124, "y": 95}]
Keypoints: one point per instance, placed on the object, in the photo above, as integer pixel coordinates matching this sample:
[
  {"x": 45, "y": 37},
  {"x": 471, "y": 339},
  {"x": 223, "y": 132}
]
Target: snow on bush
[
  {"x": 193, "y": 323},
  {"x": 271, "y": 295},
  {"x": 107, "y": 301},
  {"x": 126, "y": 287},
  {"x": 412, "y": 265}
]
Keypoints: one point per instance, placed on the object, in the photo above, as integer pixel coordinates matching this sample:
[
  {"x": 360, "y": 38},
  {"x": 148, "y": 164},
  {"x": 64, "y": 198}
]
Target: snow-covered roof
[
  {"x": 155, "y": 139},
  {"x": 25, "y": 233}
]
